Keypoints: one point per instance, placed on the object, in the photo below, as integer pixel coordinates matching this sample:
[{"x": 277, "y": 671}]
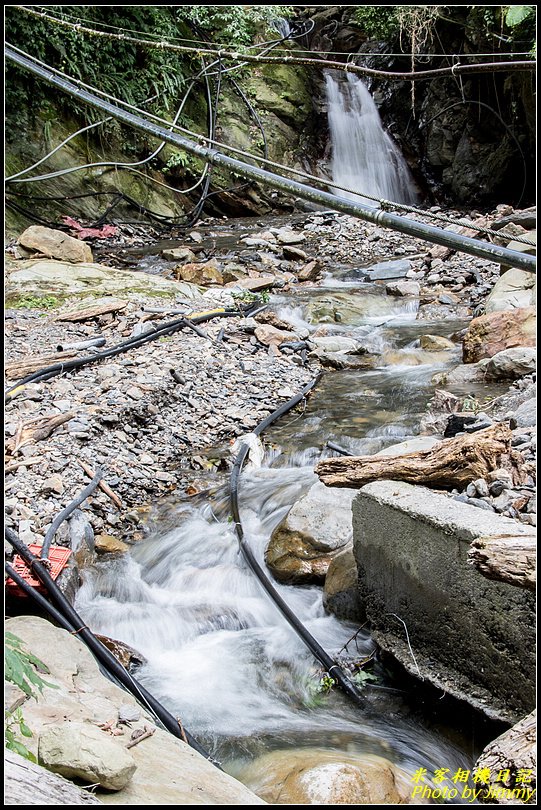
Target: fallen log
[
  {"x": 513, "y": 757},
  {"x": 451, "y": 463},
  {"x": 506, "y": 558},
  {"x": 20, "y": 368}
]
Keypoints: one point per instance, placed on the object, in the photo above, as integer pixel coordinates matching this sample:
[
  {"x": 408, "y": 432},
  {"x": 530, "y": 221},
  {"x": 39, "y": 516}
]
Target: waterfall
[
  {"x": 282, "y": 26},
  {"x": 364, "y": 156}
]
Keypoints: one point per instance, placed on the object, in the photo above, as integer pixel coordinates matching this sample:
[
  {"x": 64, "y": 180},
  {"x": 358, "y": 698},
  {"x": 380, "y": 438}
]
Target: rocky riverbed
[
  {"x": 161, "y": 417},
  {"x": 160, "y": 420}
]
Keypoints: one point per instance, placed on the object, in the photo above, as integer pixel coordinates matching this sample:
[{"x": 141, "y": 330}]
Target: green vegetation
[
  {"x": 35, "y": 302},
  {"x": 247, "y": 297},
  {"x": 20, "y": 670}
]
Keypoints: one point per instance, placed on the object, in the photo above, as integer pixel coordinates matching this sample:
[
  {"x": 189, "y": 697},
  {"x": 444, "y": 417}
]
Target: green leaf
[
  {"x": 517, "y": 14},
  {"x": 23, "y": 728}
]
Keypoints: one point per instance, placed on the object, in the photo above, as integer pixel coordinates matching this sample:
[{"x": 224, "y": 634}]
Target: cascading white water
[{"x": 364, "y": 156}]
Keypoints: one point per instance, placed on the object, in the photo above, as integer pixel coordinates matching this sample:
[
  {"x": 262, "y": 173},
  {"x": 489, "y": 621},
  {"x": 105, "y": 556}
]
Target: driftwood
[
  {"x": 506, "y": 558},
  {"x": 20, "y": 368},
  {"x": 102, "y": 307},
  {"x": 27, "y": 783},
  {"x": 511, "y": 752},
  {"x": 450, "y": 463},
  {"x": 44, "y": 426},
  {"x": 102, "y": 485}
]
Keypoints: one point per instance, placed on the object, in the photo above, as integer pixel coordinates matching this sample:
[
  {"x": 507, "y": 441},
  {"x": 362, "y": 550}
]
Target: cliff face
[{"x": 468, "y": 141}]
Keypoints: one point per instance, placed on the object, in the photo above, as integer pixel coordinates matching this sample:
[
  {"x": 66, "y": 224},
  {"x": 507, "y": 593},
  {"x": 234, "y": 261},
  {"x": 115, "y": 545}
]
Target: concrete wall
[{"x": 472, "y": 637}]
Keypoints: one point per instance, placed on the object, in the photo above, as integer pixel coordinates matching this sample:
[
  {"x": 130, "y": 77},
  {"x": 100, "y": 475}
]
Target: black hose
[
  {"x": 369, "y": 213},
  {"x": 101, "y": 652},
  {"x": 168, "y": 328},
  {"x": 334, "y": 670},
  {"x": 338, "y": 449},
  {"x": 65, "y": 513}
]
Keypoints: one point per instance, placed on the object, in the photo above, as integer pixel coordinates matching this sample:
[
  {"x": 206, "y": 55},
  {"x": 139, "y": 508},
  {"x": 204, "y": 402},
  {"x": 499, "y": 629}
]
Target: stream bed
[{"x": 219, "y": 655}]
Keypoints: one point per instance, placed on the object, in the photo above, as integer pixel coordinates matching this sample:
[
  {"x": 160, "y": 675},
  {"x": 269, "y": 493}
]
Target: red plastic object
[{"x": 58, "y": 558}]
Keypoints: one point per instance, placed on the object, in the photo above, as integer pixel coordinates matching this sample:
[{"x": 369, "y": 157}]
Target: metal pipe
[
  {"x": 419, "y": 230},
  {"x": 82, "y": 344}
]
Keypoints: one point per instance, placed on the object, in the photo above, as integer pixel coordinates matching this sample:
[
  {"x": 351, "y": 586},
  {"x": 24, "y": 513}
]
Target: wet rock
[
  {"x": 474, "y": 372},
  {"x": 107, "y": 544},
  {"x": 496, "y": 331},
  {"x": 512, "y": 363},
  {"x": 516, "y": 288},
  {"x": 310, "y": 271},
  {"x": 435, "y": 343},
  {"x": 55, "y": 244},
  {"x": 314, "y": 776},
  {"x": 130, "y": 658},
  {"x": 203, "y": 274},
  {"x": 81, "y": 751},
  {"x": 388, "y": 270},
  {"x": 180, "y": 254},
  {"x": 315, "y": 529},
  {"x": 340, "y": 590},
  {"x": 403, "y": 288},
  {"x": 337, "y": 343}
]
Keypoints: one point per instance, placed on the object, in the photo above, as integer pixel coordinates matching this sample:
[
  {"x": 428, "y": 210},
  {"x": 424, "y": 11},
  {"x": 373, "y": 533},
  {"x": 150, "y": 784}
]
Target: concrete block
[{"x": 471, "y": 637}]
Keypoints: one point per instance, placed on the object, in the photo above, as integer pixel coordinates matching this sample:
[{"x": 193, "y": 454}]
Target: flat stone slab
[
  {"x": 388, "y": 270},
  {"x": 52, "y": 277},
  {"x": 473, "y": 638}
]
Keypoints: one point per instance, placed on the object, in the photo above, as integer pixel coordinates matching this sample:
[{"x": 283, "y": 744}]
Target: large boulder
[
  {"x": 315, "y": 530},
  {"x": 55, "y": 244},
  {"x": 512, "y": 363},
  {"x": 317, "y": 776},
  {"x": 53, "y": 277},
  {"x": 168, "y": 770},
  {"x": 495, "y": 331},
  {"x": 516, "y": 288},
  {"x": 204, "y": 274}
]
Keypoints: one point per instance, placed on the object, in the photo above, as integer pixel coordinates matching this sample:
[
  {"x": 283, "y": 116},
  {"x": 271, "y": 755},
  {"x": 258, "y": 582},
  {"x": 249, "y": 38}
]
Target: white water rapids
[{"x": 219, "y": 654}]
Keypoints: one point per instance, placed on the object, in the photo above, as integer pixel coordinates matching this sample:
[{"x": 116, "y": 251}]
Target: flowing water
[
  {"x": 364, "y": 156},
  {"x": 219, "y": 654}
]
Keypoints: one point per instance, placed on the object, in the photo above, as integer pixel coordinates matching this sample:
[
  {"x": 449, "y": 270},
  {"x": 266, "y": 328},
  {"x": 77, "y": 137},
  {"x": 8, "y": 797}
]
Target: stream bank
[{"x": 325, "y": 311}]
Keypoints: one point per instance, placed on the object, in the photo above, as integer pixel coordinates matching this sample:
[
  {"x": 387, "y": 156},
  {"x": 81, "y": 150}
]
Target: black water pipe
[
  {"x": 168, "y": 328},
  {"x": 419, "y": 230},
  {"x": 65, "y": 513},
  {"x": 39, "y": 568},
  {"x": 330, "y": 666}
]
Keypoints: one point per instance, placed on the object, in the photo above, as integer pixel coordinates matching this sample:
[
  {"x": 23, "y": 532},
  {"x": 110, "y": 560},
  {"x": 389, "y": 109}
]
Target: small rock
[
  {"x": 53, "y": 484},
  {"x": 403, "y": 288},
  {"x": 107, "y": 544}
]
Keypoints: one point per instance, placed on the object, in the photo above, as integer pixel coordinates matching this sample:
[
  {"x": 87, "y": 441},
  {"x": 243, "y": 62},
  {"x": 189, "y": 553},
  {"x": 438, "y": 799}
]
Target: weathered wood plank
[{"x": 101, "y": 307}]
